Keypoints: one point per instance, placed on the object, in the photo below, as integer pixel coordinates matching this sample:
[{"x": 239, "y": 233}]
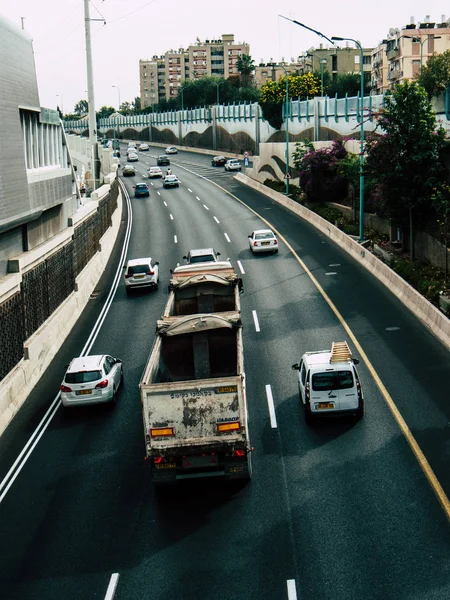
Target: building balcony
[
  {"x": 393, "y": 53},
  {"x": 394, "y": 74}
]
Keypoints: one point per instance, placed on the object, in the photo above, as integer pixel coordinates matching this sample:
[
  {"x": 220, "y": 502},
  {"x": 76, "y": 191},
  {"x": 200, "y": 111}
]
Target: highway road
[{"x": 335, "y": 511}]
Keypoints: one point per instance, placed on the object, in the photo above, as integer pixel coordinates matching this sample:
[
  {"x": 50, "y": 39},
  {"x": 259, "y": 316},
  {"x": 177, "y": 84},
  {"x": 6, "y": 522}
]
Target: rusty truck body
[{"x": 193, "y": 386}]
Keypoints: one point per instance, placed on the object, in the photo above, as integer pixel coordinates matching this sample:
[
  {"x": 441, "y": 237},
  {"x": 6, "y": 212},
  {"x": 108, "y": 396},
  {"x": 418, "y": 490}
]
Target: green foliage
[
  {"x": 333, "y": 215},
  {"x": 245, "y": 65},
  {"x": 427, "y": 279},
  {"x": 81, "y": 108},
  {"x": 105, "y": 112},
  {"x": 405, "y": 159},
  {"x": 346, "y": 83},
  {"x": 280, "y": 186},
  {"x": 435, "y": 75},
  {"x": 350, "y": 169},
  {"x": 273, "y": 94}
]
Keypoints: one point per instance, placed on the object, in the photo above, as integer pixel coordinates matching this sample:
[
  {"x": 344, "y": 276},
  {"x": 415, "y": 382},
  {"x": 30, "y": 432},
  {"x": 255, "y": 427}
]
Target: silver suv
[
  {"x": 201, "y": 255},
  {"x": 140, "y": 273}
]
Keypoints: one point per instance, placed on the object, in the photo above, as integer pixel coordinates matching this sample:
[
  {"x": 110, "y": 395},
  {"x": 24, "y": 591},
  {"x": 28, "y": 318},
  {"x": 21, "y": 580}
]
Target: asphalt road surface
[{"x": 335, "y": 511}]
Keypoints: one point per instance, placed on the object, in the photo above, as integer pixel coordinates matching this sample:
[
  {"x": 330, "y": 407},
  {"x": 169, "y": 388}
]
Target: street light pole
[
  {"x": 117, "y": 118},
  {"x": 322, "y": 63},
  {"x": 286, "y": 114},
  {"x": 218, "y": 86},
  {"x": 422, "y": 42},
  {"x": 361, "y": 136}
]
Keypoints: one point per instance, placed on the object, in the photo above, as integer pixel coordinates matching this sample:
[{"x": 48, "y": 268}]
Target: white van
[{"x": 329, "y": 384}]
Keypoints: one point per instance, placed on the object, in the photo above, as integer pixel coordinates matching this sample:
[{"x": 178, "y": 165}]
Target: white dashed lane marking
[
  {"x": 273, "y": 418},
  {"x": 171, "y": 217},
  {"x": 241, "y": 267},
  {"x": 255, "y": 320},
  {"x": 226, "y": 237},
  {"x": 216, "y": 219},
  {"x": 175, "y": 239}
]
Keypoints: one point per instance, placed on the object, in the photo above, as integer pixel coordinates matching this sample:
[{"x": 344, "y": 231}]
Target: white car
[
  {"x": 233, "y": 165},
  {"x": 91, "y": 380},
  {"x": 140, "y": 273},
  {"x": 171, "y": 150},
  {"x": 171, "y": 181},
  {"x": 131, "y": 144},
  {"x": 201, "y": 255},
  {"x": 154, "y": 172},
  {"x": 263, "y": 240},
  {"x": 144, "y": 147},
  {"x": 328, "y": 383},
  {"x": 132, "y": 157}
]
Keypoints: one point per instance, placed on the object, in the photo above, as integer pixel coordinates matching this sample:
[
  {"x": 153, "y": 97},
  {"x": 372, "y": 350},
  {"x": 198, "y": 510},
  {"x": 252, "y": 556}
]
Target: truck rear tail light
[
  {"x": 239, "y": 452},
  {"x": 101, "y": 385},
  {"x": 66, "y": 389},
  {"x": 223, "y": 427},
  {"x": 162, "y": 432},
  {"x": 157, "y": 460}
]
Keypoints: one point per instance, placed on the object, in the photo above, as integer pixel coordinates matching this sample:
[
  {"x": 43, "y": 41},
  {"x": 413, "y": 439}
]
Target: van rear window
[
  {"x": 332, "y": 380},
  {"x": 82, "y": 377}
]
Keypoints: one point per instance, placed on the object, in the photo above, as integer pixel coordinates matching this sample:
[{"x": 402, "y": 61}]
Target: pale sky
[{"x": 139, "y": 29}]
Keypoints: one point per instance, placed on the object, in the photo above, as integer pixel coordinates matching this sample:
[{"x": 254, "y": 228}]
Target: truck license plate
[{"x": 166, "y": 466}]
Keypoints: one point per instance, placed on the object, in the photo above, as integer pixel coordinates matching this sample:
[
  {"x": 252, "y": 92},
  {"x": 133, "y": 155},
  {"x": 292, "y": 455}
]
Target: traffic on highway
[{"x": 347, "y": 495}]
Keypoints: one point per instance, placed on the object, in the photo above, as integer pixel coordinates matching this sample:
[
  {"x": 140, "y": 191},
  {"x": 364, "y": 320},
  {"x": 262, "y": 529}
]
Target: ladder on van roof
[{"x": 340, "y": 352}]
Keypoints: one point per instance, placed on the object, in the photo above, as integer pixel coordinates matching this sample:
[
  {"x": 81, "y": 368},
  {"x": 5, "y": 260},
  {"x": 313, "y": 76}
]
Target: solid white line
[
  {"x": 292, "y": 592},
  {"x": 205, "y": 207},
  {"x": 255, "y": 319},
  {"x": 165, "y": 203},
  {"x": 273, "y": 419},
  {"x": 175, "y": 239},
  {"x": 241, "y": 267},
  {"x": 198, "y": 198},
  {"x": 158, "y": 193},
  {"x": 21, "y": 460},
  {"x": 226, "y": 237},
  {"x": 111, "y": 591},
  {"x": 189, "y": 190},
  {"x": 216, "y": 219},
  {"x": 171, "y": 217}
]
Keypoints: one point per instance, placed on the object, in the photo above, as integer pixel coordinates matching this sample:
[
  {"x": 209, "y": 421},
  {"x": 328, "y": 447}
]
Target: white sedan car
[
  {"x": 91, "y": 380},
  {"x": 171, "y": 150},
  {"x": 263, "y": 240},
  {"x": 144, "y": 147},
  {"x": 154, "y": 172},
  {"x": 233, "y": 165}
]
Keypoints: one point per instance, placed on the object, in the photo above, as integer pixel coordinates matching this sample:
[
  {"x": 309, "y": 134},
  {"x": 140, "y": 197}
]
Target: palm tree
[{"x": 245, "y": 65}]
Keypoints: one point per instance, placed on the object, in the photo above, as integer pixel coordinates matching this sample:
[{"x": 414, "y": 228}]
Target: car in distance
[
  {"x": 141, "y": 189},
  {"x": 171, "y": 181},
  {"x": 171, "y": 150},
  {"x": 144, "y": 147},
  {"x": 163, "y": 160},
  {"x": 154, "y": 172},
  {"x": 218, "y": 161},
  {"x": 131, "y": 144},
  {"x": 132, "y": 157},
  {"x": 128, "y": 171},
  {"x": 141, "y": 273},
  {"x": 200, "y": 255},
  {"x": 328, "y": 383},
  {"x": 91, "y": 380},
  {"x": 233, "y": 165},
  {"x": 263, "y": 240}
]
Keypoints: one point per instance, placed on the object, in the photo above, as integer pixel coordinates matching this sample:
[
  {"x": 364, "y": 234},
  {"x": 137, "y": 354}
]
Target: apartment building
[
  {"x": 161, "y": 77},
  {"x": 402, "y": 54},
  {"x": 335, "y": 60}
]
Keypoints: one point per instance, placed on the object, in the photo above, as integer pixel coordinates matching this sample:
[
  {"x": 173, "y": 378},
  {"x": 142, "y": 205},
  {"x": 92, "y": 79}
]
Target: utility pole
[{"x": 91, "y": 101}]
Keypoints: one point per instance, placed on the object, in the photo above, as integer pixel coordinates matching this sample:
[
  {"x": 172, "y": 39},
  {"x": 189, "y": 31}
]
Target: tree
[
  {"x": 346, "y": 83},
  {"x": 105, "y": 112},
  {"x": 273, "y": 94},
  {"x": 441, "y": 202},
  {"x": 126, "y": 108},
  {"x": 81, "y": 108},
  {"x": 435, "y": 75},
  {"x": 245, "y": 65},
  {"x": 137, "y": 105},
  {"x": 405, "y": 158}
]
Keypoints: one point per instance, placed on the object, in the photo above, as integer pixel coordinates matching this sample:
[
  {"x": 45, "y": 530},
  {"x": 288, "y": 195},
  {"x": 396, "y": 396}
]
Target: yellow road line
[{"x": 420, "y": 456}]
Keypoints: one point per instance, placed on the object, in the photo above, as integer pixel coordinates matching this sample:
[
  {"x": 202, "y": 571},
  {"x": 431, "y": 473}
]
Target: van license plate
[{"x": 323, "y": 405}]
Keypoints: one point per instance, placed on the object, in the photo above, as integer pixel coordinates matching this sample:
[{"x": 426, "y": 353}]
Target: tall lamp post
[
  {"x": 322, "y": 63},
  {"x": 422, "y": 42},
  {"x": 286, "y": 114},
  {"x": 361, "y": 136},
  {"x": 218, "y": 86},
  {"x": 118, "y": 110},
  {"x": 181, "y": 91},
  {"x": 62, "y": 108}
]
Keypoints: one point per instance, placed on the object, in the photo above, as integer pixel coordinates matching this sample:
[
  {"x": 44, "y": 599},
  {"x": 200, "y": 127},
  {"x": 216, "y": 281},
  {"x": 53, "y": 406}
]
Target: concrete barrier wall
[
  {"x": 43, "y": 345},
  {"x": 436, "y": 321}
]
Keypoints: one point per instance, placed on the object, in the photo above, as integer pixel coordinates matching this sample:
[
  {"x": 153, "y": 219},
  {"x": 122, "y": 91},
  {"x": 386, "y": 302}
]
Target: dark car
[
  {"x": 141, "y": 189},
  {"x": 218, "y": 161},
  {"x": 163, "y": 160}
]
